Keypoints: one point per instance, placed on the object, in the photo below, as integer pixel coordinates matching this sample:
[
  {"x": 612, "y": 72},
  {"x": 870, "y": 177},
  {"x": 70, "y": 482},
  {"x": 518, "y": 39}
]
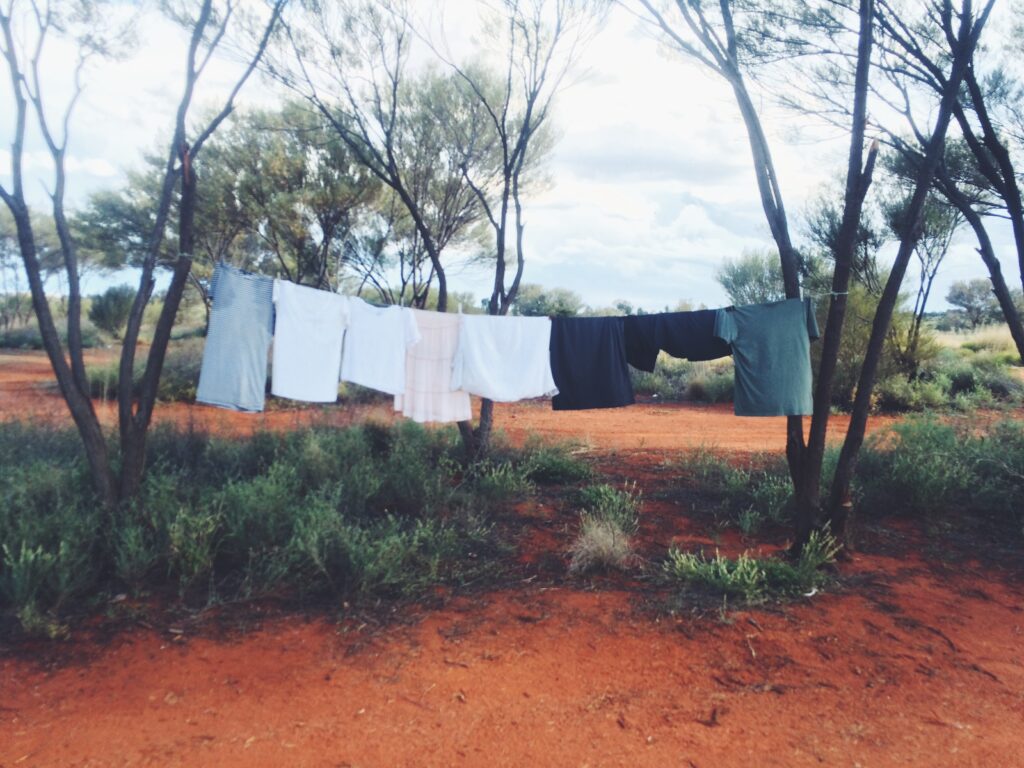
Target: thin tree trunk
[
  {"x": 858, "y": 179},
  {"x": 133, "y": 449},
  {"x": 79, "y": 403},
  {"x": 987, "y": 253},
  {"x": 840, "y": 492}
]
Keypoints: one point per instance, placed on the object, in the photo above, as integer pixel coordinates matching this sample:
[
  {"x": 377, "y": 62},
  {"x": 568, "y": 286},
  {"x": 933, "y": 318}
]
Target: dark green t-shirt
[{"x": 771, "y": 352}]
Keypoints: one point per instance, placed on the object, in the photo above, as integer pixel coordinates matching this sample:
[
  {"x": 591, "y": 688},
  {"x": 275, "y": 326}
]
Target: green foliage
[
  {"x": 49, "y": 533},
  {"x": 747, "y": 496},
  {"x": 754, "y": 580},
  {"x": 28, "y": 337},
  {"x": 926, "y": 468},
  {"x": 975, "y": 298},
  {"x": 604, "y": 502},
  {"x": 715, "y": 387},
  {"x": 674, "y": 379},
  {"x": 178, "y": 379},
  {"x": 753, "y": 278},
  {"x": 361, "y": 512},
  {"x": 609, "y": 519},
  {"x": 546, "y": 302},
  {"x": 109, "y": 311},
  {"x": 953, "y": 379},
  {"x": 552, "y": 464}
]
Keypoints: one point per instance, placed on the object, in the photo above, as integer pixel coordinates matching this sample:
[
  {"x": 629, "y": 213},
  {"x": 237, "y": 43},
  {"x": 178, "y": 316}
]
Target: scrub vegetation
[
  {"x": 608, "y": 521},
  {"x": 951, "y": 471},
  {"x": 754, "y": 579},
  {"x": 358, "y": 513}
]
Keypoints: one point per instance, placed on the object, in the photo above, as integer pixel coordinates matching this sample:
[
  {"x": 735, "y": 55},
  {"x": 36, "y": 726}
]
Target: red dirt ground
[{"x": 918, "y": 660}]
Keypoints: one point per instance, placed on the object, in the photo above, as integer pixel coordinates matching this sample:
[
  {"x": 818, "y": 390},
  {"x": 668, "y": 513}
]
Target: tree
[
  {"x": 728, "y": 41},
  {"x": 25, "y": 31},
  {"x": 502, "y": 149},
  {"x": 902, "y": 38},
  {"x": 349, "y": 61},
  {"x": 939, "y": 223},
  {"x": 109, "y": 310},
  {"x": 974, "y": 297},
  {"x": 537, "y": 301},
  {"x": 753, "y": 278}
]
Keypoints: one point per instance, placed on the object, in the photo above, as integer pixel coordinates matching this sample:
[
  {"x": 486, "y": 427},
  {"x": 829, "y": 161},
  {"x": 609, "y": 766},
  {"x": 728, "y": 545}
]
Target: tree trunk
[
  {"x": 133, "y": 436},
  {"x": 79, "y": 403},
  {"x": 840, "y": 492},
  {"x": 858, "y": 179},
  {"x": 987, "y": 253}
]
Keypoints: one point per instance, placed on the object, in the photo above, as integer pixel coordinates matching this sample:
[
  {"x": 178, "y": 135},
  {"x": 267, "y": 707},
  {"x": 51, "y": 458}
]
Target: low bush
[
  {"x": 952, "y": 380},
  {"x": 746, "y": 496},
  {"x": 600, "y": 545},
  {"x": 675, "y": 379},
  {"x": 714, "y": 387},
  {"x": 362, "y": 512},
  {"x": 927, "y": 468},
  {"x": 549, "y": 463},
  {"x": 178, "y": 380},
  {"x": 754, "y": 580},
  {"x": 28, "y": 337},
  {"x": 609, "y": 519}
]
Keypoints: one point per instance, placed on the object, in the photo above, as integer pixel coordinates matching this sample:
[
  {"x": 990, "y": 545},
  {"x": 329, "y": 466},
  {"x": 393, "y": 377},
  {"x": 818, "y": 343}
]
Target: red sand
[{"x": 917, "y": 662}]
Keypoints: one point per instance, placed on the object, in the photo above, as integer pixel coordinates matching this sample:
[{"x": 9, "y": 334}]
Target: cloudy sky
[{"x": 651, "y": 180}]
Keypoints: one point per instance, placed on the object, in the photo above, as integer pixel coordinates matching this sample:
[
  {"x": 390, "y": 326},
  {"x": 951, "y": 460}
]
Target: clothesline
[{"x": 432, "y": 362}]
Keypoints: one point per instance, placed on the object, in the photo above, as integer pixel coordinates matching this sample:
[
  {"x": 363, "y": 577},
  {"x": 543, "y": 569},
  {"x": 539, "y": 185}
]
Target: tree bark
[
  {"x": 965, "y": 43},
  {"x": 948, "y": 188},
  {"x": 858, "y": 179}
]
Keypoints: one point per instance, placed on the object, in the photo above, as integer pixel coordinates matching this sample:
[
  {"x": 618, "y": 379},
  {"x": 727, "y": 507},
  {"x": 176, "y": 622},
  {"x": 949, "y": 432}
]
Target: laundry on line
[{"x": 433, "y": 362}]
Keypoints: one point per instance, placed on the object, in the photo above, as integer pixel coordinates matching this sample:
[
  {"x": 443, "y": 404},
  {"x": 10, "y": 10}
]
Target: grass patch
[
  {"x": 945, "y": 470},
  {"x": 360, "y": 513},
  {"x": 750, "y": 579},
  {"x": 609, "y": 519},
  {"x": 748, "y": 497}
]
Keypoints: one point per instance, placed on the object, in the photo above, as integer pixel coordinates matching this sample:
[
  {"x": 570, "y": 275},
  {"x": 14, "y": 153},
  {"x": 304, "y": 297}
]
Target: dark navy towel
[
  {"x": 690, "y": 335},
  {"x": 588, "y": 361}
]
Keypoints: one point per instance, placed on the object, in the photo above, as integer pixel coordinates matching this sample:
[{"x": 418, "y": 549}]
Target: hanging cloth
[
  {"x": 504, "y": 358},
  {"x": 428, "y": 392},
  {"x": 307, "y": 342},
  {"x": 771, "y": 353},
  {"x": 375, "y": 346},
  {"x": 588, "y": 360},
  {"x": 689, "y": 335},
  {"x": 234, "y": 368}
]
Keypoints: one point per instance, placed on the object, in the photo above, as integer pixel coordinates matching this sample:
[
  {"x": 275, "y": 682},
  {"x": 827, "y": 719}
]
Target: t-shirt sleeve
[
  {"x": 412, "y": 330},
  {"x": 276, "y": 292},
  {"x": 725, "y": 326},
  {"x": 812, "y": 321}
]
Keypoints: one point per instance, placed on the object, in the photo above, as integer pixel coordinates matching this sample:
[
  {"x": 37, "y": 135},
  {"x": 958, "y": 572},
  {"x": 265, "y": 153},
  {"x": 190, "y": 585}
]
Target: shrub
[
  {"x": 364, "y": 512},
  {"x": 919, "y": 470},
  {"x": 109, "y": 311},
  {"x": 608, "y": 520},
  {"x": 601, "y": 544},
  {"x": 926, "y": 468},
  {"x": 715, "y": 387},
  {"x": 747, "y": 496},
  {"x": 620, "y": 508},
  {"x": 28, "y": 337},
  {"x": 550, "y": 464},
  {"x": 754, "y": 580},
  {"x": 667, "y": 381},
  {"x": 178, "y": 379}
]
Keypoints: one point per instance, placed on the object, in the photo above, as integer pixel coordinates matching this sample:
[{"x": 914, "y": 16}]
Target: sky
[{"x": 652, "y": 184}]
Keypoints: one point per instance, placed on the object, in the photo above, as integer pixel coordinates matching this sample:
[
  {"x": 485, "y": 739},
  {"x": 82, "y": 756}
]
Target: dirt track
[{"x": 919, "y": 661}]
